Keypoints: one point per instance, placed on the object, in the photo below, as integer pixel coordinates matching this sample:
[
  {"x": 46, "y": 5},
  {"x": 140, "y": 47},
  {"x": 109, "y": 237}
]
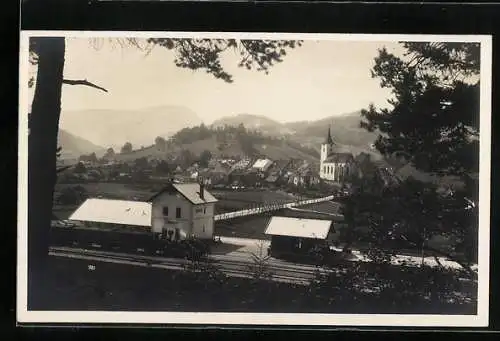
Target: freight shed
[
  {"x": 107, "y": 223},
  {"x": 114, "y": 214},
  {"x": 298, "y": 236}
]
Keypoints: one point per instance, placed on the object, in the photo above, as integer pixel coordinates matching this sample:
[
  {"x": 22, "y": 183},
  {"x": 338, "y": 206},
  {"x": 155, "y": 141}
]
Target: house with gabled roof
[{"x": 183, "y": 209}]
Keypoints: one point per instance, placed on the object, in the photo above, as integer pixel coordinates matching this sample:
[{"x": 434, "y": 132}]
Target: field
[
  {"x": 230, "y": 201},
  {"x": 252, "y": 226},
  {"x": 112, "y": 190}
]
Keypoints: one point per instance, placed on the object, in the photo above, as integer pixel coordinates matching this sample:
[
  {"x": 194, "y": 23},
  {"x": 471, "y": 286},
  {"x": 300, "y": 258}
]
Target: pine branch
[{"x": 83, "y": 82}]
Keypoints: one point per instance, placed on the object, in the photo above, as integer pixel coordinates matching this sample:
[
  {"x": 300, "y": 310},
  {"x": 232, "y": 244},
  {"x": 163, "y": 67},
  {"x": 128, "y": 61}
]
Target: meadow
[
  {"x": 252, "y": 227},
  {"x": 112, "y": 190}
]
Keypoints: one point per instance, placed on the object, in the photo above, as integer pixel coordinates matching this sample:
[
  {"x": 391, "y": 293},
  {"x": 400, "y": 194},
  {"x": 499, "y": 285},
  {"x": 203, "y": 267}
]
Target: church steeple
[{"x": 329, "y": 139}]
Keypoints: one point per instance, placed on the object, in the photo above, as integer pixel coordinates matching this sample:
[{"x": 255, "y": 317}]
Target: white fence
[{"x": 269, "y": 208}]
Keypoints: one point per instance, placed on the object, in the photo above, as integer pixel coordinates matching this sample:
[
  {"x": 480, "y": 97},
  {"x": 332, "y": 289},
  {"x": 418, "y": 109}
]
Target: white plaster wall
[
  {"x": 325, "y": 150},
  {"x": 337, "y": 172},
  {"x": 172, "y": 201},
  {"x": 203, "y": 221},
  {"x": 328, "y": 175}
]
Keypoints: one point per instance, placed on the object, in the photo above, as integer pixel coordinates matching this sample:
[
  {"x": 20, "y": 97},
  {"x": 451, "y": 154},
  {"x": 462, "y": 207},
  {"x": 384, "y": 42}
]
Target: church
[{"x": 337, "y": 167}]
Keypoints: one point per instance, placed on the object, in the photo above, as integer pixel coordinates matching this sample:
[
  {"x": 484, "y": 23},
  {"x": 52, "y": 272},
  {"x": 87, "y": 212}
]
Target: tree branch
[
  {"x": 62, "y": 169},
  {"x": 83, "y": 82},
  {"x": 252, "y": 54}
]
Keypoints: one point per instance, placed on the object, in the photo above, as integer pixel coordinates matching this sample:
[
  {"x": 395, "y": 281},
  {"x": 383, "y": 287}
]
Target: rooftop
[
  {"x": 111, "y": 211},
  {"x": 190, "y": 191},
  {"x": 298, "y": 227},
  {"x": 339, "y": 157},
  {"x": 262, "y": 163}
]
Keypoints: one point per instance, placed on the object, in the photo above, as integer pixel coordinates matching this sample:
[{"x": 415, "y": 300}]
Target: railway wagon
[
  {"x": 310, "y": 252},
  {"x": 126, "y": 241}
]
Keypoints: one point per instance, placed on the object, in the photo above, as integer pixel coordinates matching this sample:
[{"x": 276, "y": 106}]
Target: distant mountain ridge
[
  {"x": 345, "y": 130},
  {"x": 112, "y": 128},
  {"x": 74, "y": 146}
]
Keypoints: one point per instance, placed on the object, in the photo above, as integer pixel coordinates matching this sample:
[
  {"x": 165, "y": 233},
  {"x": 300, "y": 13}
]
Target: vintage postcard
[{"x": 254, "y": 179}]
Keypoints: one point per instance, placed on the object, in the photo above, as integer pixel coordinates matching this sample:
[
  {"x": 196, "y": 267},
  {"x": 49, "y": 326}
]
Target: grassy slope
[
  {"x": 283, "y": 152},
  {"x": 274, "y": 151}
]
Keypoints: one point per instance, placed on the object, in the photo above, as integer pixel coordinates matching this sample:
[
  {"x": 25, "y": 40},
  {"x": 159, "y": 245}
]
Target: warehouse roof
[
  {"x": 111, "y": 211},
  {"x": 298, "y": 227}
]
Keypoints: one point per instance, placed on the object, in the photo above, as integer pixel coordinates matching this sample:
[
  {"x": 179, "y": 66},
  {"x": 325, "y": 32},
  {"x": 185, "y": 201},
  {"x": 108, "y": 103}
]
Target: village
[
  {"x": 333, "y": 171},
  {"x": 225, "y": 189}
]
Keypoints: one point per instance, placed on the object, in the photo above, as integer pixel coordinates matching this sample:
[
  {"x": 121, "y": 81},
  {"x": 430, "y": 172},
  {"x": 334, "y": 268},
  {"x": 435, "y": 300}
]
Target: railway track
[
  {"x": 235, "y": 268},
  {"x": 216, "y": 259}
]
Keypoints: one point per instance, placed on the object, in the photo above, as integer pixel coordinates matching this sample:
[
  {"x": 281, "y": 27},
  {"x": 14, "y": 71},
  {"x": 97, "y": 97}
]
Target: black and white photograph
[{"x": 254, "y": 178}]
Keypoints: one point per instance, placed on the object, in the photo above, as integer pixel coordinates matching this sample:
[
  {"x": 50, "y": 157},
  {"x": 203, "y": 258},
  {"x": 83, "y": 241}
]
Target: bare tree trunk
[
  {"x": 438, "y": 261},
  {"x": 42, "y": 144}
]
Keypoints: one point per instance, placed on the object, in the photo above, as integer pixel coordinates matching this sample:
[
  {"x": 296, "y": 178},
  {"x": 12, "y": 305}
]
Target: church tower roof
[{"x": 329, "y": 139}]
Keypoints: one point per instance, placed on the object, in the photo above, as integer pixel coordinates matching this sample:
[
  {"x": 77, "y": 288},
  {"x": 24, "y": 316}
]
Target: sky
[{"x": 316, "y": 80}]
